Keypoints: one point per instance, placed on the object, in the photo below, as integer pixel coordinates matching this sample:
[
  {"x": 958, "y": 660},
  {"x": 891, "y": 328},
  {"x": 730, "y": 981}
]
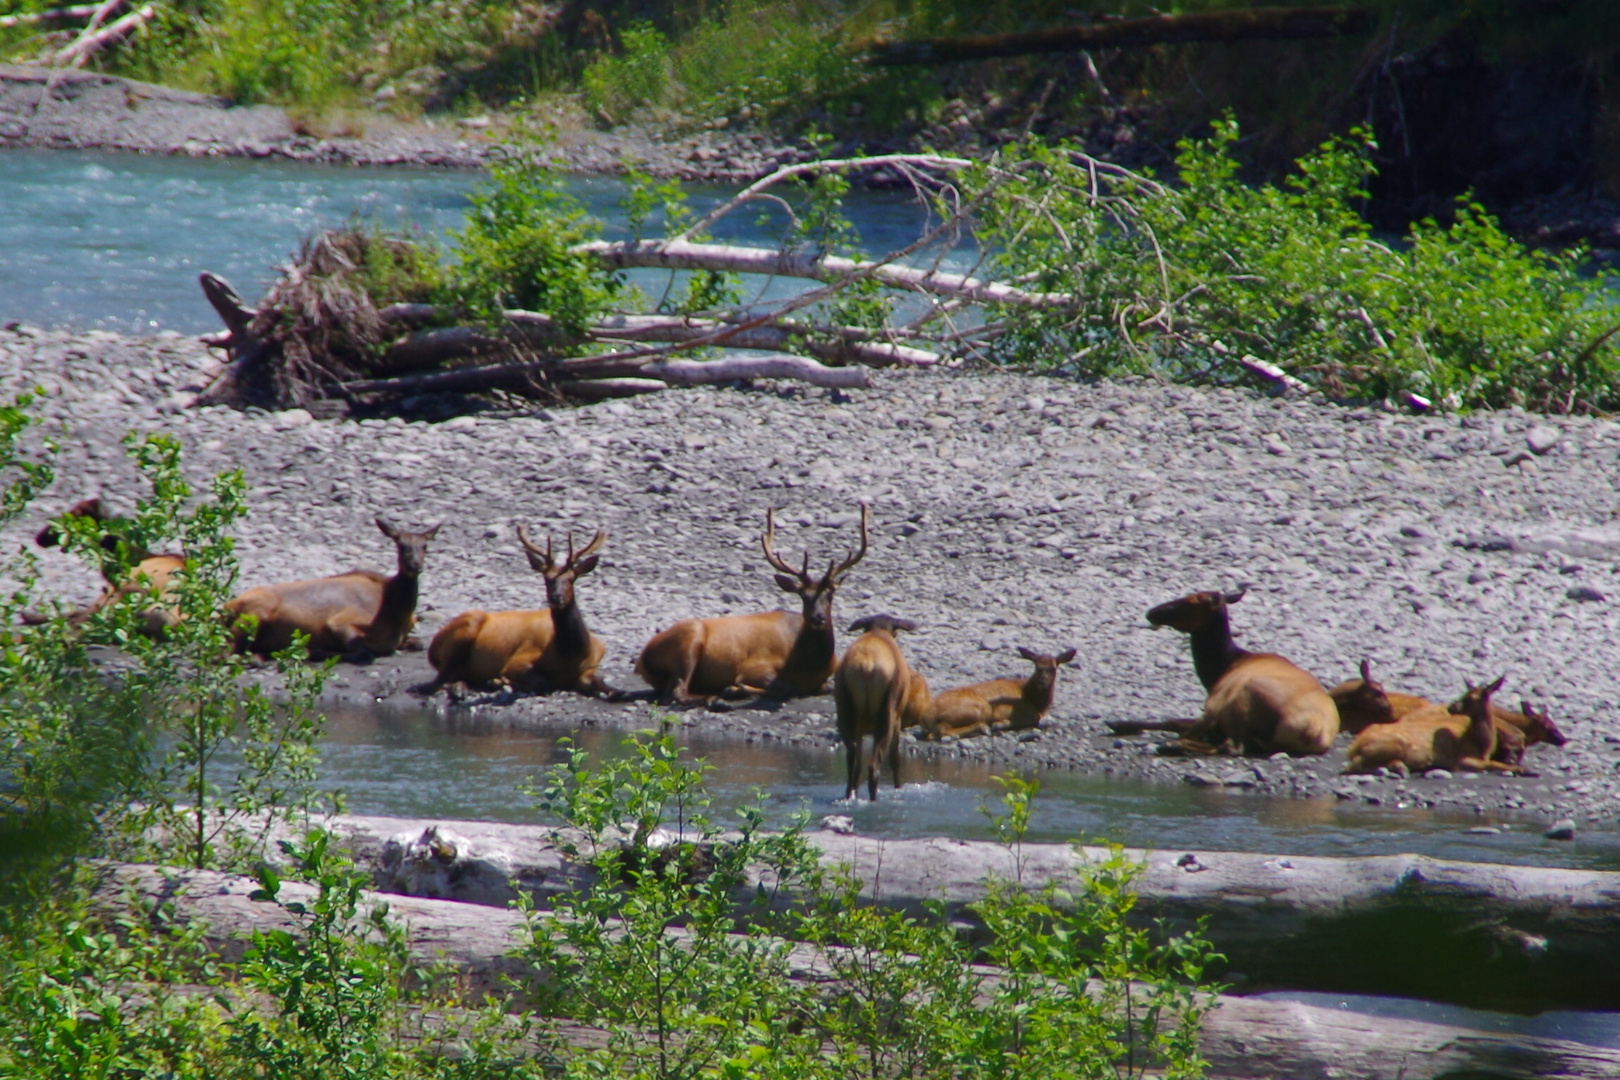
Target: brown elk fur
[
  {"x": 999, "y": 704},
  {"x": 358, "y": 615},
  {"x": 148, "y": 572},
  {"x": 1533, "y": 725},
  {"x": 1258, "y": 703},
  {"x": 1462, "y": 736},
  {"x": 544, "y": 650},
  {"x": 872, "y": 689},
  {"x": 777, "y": 654}
]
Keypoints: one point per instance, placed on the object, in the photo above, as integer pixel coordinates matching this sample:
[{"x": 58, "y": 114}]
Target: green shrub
[
  {"x": 639, "y": 74},
  {"x": 1182, "y": 279}
]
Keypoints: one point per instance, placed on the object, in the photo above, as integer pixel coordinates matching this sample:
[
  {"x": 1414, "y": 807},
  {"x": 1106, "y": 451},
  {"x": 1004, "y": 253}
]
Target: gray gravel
[{"x": 1008, "y": 511}]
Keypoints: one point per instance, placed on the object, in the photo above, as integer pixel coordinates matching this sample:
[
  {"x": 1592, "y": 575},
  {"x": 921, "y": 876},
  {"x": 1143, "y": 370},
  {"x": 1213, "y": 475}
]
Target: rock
[
  {"x": 1437, "y": 774},
  {"x": 1542, "y": 438},
  {"x": 842, "y": 824},
  {"x": 1562, "y": 829}
]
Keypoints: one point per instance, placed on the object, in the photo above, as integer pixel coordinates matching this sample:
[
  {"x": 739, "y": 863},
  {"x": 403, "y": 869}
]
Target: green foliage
[
  {"x": 764, "y": 58},
  {"x": 615, "y": 84},
  {"x": 686, "y": 966},
  {"x": 1181, "y": 280},
  {"x": 514, "y": 252}
]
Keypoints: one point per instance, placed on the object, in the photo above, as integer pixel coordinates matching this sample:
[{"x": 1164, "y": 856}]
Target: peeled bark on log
[
  {"x": 684, "y": 255},
  {"x": 89, "y": 44},
  {"x": 1252, "y": 24},
  {"x": 1481, "y": 934},
  {"x": 1242, "y": 1039},
  {"x": 702, "y": 372}
]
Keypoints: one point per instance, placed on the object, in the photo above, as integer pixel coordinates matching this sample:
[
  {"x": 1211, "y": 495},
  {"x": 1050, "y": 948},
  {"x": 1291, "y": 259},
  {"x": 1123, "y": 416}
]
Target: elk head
[
  {"x": 412, "y": 545},
  {"x": 560, "y": 577},
  {"x": 816, "y": 594},
  {"x": 1192, "y": 613}
]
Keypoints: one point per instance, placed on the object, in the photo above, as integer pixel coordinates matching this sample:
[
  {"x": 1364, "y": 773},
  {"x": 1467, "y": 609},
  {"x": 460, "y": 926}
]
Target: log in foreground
[
  {"x": 1243, "y": 1039},
  {"x": 1253, "y": 24},
  {"x": 1520, "y": 938}
]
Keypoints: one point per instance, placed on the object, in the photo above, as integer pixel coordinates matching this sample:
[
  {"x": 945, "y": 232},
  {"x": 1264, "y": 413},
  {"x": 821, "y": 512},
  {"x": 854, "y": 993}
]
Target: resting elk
[
  {"x": 776, "y": 654},
  {"x": 874, "y": 690},
  {"x": 544, "y": 650},
  {"x": 131, "y": 568},
  {"x": 1258, "y": 703},
  {"x": 999, "y": 704},
  {"x": 359, "y": 615},
  {"x": 1358, "y": 709},
  {"x": 1462, "y": 736}
]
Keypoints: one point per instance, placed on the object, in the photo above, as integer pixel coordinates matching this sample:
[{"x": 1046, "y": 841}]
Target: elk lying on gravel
[
  {"x": 875, "y": 690},
  {"x": 1258, "y": 703},
  {"x": 776, "y": 654},
  {"x": 545, "y": 650},
  {"x": 359, "y": 615},
  {"x": 135, "y": 569},
  {"x": 1462, "y": 736},
  {"x": 1358, "y": 709},
  {"x": 999, "y": 704}
]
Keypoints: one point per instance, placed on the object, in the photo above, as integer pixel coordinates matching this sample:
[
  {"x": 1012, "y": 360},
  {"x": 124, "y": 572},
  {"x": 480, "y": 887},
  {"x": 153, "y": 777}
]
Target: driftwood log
[
  {"x": 1242, "y": 1039},
  {"x": 49, "y": 15},
  {"x": 1250, "y": 24},
  {"x": 1479, "y": 934}
]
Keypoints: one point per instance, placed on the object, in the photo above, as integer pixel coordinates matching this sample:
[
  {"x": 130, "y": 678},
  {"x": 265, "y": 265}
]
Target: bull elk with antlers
[
  {"x": 776, "y": 654},
  {"x": 545, "y": 650}
]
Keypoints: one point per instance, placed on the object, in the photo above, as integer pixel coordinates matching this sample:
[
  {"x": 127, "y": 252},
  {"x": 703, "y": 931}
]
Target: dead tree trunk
[
  {"x": 1249, "y": 24},
  {"x": 1242, "y": 1039}
]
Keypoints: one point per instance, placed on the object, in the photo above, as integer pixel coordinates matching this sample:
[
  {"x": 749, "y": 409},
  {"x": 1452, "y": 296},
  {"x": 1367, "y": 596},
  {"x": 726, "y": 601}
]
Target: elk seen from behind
[{"x": 873, "y": 690}]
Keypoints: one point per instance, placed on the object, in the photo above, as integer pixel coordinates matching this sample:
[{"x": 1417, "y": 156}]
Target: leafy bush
[
  {"x": 681, "y": 949},
  {"x": 1182, "y": 279},
  {"x": 615, "y": 84}
]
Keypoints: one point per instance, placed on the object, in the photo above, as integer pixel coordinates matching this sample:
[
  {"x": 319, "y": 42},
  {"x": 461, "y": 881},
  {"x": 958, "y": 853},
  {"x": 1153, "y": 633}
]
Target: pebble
[{"x": 1562, "y": 829}]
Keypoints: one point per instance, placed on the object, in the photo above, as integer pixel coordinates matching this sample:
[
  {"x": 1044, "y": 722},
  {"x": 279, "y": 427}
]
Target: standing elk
[
  {"x": 776, "y": 654},
  {"x": 137, "y": 569},
  {"x": 999, "y": 704},
  {"x": 1259, "y": 703},
  {"x": 1462, "y": 736},
  {"x": 874, "y": 689},
  {"x": 359, "y": 615},
  {"x": 544, "y": 650}
]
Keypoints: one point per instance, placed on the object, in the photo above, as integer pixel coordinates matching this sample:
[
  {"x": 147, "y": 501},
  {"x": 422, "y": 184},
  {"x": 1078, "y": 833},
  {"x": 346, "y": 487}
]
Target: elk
[
  {"x": 1259, "y": 703},
  {"x": 138, "y": 569},
  {"x": 545, "y": 650},
  {"x": 1358, "y": 709},
  {"x": 874, "y": 689},
  {"x": 1462, "y": 736},
  {"x": 999, "y": 704},
  {"x": 359, "y": 615},
  {"x": 775, "y": 654}
]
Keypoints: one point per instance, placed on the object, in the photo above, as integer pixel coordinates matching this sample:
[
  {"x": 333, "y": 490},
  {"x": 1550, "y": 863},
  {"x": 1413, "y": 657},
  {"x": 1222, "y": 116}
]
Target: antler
[
  {"x": 590, "y": 549},
  {"x": 834, "y": 572},
  {"x": 546, "y": 563},
  {"x": 781, "y": 565}
]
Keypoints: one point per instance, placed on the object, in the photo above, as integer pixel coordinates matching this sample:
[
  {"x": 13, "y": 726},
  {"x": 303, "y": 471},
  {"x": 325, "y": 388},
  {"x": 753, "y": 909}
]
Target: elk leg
[{"x": 411, "y": 644}]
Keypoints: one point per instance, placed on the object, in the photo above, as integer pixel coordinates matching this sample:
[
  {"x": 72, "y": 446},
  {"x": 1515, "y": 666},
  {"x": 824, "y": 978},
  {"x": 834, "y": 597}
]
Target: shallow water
[
  {"x": 471, "y": 765},
  {"x": 93, "y": 240}
]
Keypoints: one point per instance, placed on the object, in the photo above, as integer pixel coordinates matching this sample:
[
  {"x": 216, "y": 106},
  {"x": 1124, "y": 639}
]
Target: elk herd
[{"x": 1255, "y": 704}]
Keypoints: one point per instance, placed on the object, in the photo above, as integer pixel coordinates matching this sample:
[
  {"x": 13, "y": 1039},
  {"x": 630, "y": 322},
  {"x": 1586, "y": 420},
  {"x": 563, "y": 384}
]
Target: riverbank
[
  {"x": 84, "y": 110},
  {"x": 1008, "y": 511}
]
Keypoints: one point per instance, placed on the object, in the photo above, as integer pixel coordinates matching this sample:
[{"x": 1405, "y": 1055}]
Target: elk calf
[
  {"x": 1258, "y": 703},
  {"x": 135, "y": 569},
  {"x": 1358, "y": 710},
  {"x": 873, "y": 689},
  {"x": 359, "y": 615},
  {"x": 999, "y": 704},
  {"x": 544, "y": 650},
  {"x": 776, "y": 654},
  {"x": 1461, "y": 736}
]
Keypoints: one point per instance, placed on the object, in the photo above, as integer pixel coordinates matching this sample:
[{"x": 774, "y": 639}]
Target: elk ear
[
  {"x": 1497, "y": 685},
  {"x": 1029, "y": 654},
  {"x": 1234, "y": 597},
  {"x": 903, "y": 624},
  {"x": 586, "y": 565},
  {"x": 863, "y": 624},
  {"x": 788, "y": 583},
  {"x": 432, "y": 530},
  {"x": 1366, "y": 671},
  {"x": 1066, "y": 656},
  {"x": 387, "y": 528}
]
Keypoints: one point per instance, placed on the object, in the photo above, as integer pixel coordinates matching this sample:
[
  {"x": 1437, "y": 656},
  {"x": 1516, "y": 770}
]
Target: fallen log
[
  {"x": 1249, "y": 24},
  {"x": 49, "y": 15},
  {"x": 730, "y": 258},
  {"x": 1480, "y": 934},
  {"x": 1242, "y": 1039},
  {"x": 88, "y": 44}
]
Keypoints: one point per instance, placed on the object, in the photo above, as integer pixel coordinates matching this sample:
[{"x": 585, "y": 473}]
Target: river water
[{"x": 115, "y": 241}]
